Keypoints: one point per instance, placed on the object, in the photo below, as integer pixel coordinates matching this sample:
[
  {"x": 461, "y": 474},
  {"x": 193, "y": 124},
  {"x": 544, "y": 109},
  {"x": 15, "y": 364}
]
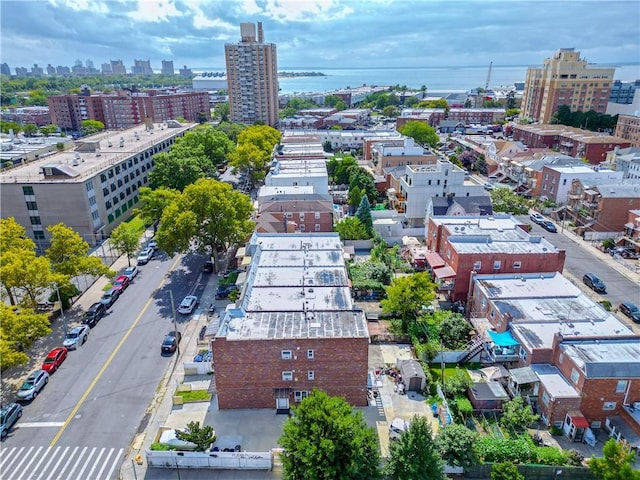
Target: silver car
[
  {"x": 32, "y": 385},
  {"x": 76, "y": 337}
]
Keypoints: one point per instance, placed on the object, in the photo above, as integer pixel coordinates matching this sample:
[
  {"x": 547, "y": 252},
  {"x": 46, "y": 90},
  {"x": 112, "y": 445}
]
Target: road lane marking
[
  {"x": 64, "y": 467},
  {"x": 111, "y": 357},
  {"x": 40, "y": 424},
  {"x": 95, "y": 464},
  {"x": 86, "y": 463},
  {"x": 33, "y": 459},
  {"x": 115, "y": 463},
  {"x": 7, "y": 456},
  {"x": 75, "y": 465},
  {"x": 51, "y": 454},
  {"x": 104, "y": 464}
]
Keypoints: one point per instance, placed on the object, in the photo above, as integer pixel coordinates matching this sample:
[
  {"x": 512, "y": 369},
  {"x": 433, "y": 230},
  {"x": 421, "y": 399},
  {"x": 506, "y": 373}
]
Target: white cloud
[
  {"x": 81, "y": 5},
  {"x": 305, "y": 10},
  {"x": 154, "y": 11}
]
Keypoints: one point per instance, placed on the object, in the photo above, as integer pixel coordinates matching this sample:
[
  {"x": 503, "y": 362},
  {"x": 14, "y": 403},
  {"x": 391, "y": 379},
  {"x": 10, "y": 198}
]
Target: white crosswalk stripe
[{"x": 59, "y": 463}]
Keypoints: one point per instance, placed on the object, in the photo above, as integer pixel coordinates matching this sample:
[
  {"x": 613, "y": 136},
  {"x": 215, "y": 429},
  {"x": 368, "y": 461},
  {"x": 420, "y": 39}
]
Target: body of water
[{"x": 436, "y": 79}]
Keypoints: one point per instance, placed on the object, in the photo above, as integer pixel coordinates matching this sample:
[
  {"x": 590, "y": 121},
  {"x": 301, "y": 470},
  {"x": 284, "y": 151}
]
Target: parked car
[
  {"x": 54, "y": 359},
  {"x": 121, "y": 283},
  {"x": 208, "y": 267},
  {"x": 93, "y": 315},
  {"x": 152, "y": 244},
  {"x": 171, "y": 341},
  {"x": 76, "y": 337},
  {"x": 624, "y": 252},
  {"x": 536, "y": 218},
  {"x": 548, "y": 226},
  {"x": 188, "y": 304},
  {"x": 109, "y": 297},
  {"x": 592, "y": 281},
  {"x": 130, "y": 272},
  {"x": 630, "y": 310},
  {"x": 9, "y": 415},
  {"x": 488, "y": 187},
  {"x": 397, "y": 427},
  {"x": 33, "y": 384},
  {"x": 145, "y": 255},
  {"x": 223, "y": 291}
]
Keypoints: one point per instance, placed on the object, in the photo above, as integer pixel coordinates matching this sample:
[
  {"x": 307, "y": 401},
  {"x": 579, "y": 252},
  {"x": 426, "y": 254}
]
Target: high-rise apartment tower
[
  {"x": 252, "y": 77},
  {"x": 565, "y": 79}
]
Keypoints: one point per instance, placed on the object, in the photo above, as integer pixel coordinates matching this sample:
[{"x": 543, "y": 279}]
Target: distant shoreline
[{"x": 300, "y": 74}]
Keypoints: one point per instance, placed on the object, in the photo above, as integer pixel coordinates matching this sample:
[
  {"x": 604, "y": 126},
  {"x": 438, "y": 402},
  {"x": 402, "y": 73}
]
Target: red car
[
  {"x": 121, "y": 283},
  {"x": 54, "y": 359}
]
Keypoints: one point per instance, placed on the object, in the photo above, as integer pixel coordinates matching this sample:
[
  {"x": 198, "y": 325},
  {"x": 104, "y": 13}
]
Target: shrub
[
  {"x": 550, "y": 456},
  {"x": 520, "y": 449},
  {"x": 160, "y": 447},
  {"x": 606, "y": 304},
  {"x": 555, "y": 431},
  {"x": 575, "y": 458}
]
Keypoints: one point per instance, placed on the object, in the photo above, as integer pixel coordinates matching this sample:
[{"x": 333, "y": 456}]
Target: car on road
[
  {"x": 548, "y": 226},
  {"x": 630, "y": 310},
  {"x": 109, "y": 297},
  {"x": 488, "y": 187},
  {"x": 536, "y": 218},
  {"x": 152, "y": 244},
  {"x": 208, "y": 267},
  {"x": 188, "y": 304},
  {"x": 592, "y": 281},
  {"x": 121, "y": 283},
  {"x": 624, "y": 252},
  {"x": 131, "y": 272},
  {"x": 32, "y": 385},
  {"x": 223, "y": 291},
  {"x": 93, "y": 315},
  {"x": 144, "y": 256},
  {"x": 54, "y": 359},
  {"x": 76, "y": 337},
  {"x": 9, "y": 415},
  {"x": 171, "y": 341}
]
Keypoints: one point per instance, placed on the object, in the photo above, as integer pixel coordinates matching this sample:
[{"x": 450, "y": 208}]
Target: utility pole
[
  {"x": 175, "y": 323},
  {"x": 64, "y": 318}
]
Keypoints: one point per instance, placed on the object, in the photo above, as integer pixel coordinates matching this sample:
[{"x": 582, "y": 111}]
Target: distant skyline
[{"x": 319, "y": 33}]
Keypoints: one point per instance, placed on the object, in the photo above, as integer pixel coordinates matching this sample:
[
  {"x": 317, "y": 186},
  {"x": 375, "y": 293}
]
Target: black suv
[
  {"x": 92, "y": 316},
  {"x": 594, "y": 283}
]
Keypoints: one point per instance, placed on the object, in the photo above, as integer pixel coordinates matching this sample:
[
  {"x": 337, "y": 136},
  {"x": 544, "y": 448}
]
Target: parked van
[{"x": 398, "y": 427}]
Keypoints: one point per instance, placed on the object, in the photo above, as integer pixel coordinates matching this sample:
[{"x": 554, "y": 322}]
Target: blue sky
[{"x": 319, "y": 33}]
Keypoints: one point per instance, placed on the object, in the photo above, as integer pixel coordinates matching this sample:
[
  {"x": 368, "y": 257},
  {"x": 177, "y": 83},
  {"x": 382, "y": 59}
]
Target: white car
[
  {"x": 152, "y": 244},
  {"x": 188, "y": 304},
  {"x": 130, "y": 272},
  {"x": 536, "y": 218},
  {"x": 76, "y": 337},
  {"x": 33, "y": 384},
  {"x": 145, "y": 255}
]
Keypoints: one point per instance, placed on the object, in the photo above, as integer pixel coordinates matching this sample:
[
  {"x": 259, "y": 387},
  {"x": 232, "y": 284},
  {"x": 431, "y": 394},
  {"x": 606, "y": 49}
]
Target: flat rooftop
[
  {"x": 83, "y": 164},
  {"x": 605, "y": 358},
  {"x": 554, "y": 382},
  {"x": 300, "y": 167}
]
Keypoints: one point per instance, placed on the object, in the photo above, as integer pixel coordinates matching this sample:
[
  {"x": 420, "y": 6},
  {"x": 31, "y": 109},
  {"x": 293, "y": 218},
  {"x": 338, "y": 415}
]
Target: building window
[
  {"x": 517, "y": 265},
  {"x": 496, "y": 264},
  {"x": 609, "y": 406},
  {"x": 35, "y": 221},
  {"x": 27, "y": 190},
  {"x": 545, "y": 398},
  {"x": 32, "y": 206},
  {"x": 38, "y": 235},
  {"x": 310, "y": 375},
  {"x": 310, "y": 354},
  {"x": 317, "y": 227},
  {"x": 477, "y": 265},
  {"x": 596, "y": 425},
  {"x": 621, "y": 386},
  {"x": 575, "y": 376},
  {"x": 286, "y": 355},
  {"x": 560, "y": 358},
  {"x": 300, "y": 395},
  {"x": 523, "y": 354},
  {"x": 317, "y": 215},
  {"x": 287, "y": 376}
]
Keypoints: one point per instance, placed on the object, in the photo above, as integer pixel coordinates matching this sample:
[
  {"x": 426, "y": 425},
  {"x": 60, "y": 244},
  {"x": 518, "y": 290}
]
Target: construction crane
[{"x": 486, "y": 85}]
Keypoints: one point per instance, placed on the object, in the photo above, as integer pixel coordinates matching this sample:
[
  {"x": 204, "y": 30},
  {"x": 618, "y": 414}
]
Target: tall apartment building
[
  {"x": 252, "y": 77},
  {"x": 142, "y": 67},
  {"x": 37, "y": 71},
  {"x": 118, "y": 68},
  {"x": 4, "y": 69},
  {"x": 167, "y": 67},
  {"x": 106, "y": 69},
  {"x": 565, "y": 79},
  {"x": 51, "y": 70}
]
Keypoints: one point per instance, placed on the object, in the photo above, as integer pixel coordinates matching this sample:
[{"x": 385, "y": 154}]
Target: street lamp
[{"x": 64, "y": 318}]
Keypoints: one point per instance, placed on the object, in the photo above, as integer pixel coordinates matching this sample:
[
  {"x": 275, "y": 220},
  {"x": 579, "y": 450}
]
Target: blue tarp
[{"x": 504, "y": 339}]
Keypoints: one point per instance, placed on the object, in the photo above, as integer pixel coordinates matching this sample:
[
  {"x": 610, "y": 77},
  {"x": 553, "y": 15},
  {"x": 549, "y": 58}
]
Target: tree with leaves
[
  {"x": 517, "y": 416},
  {"x": 126, "y": 240},
  {"x": 350, "y": 228},
  {"x": 326, "y": 439},
  {"x": 362, "y": 178},
  {"x": 231, "y": 130},
  {"x": 178, "y": 168},
  {"x": 215, "y": 144},
  {"x": 505, "y": 200},
  {"x": 616, "y": 463},
  {"x": 153, "y": 203},
  {"x": 18, "y": 330},
  {"x": 505, "y": 471},
  {"x": 455, "y": 444},
  {"x": 414, "y": 455},
  {"x": 457, "y": 383},
  {"x": 454, "y": 331},
  {"x": 202, "y": 436},
  {"x": 423, "y": 133},
  {"x": 363, "y": 213},
  {"x": 207, "y": 216},
  {"x": 339, "y": 169},
  {"x": 406, "y": 296},
  {"x": 69, "y": 254},
  {"x": 250, "y": 159},
  {"x": 89, "y": 127}
]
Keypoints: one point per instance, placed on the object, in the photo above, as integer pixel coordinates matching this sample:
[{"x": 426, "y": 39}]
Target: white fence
[
  {"x": 197, "y": 368},
  {"x": 598, "y": 236},
  {"x": 213, "y": 460}
]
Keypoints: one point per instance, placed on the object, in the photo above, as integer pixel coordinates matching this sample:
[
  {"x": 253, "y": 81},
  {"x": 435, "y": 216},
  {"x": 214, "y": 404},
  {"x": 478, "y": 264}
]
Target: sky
[{"x": 316, "y": 34}]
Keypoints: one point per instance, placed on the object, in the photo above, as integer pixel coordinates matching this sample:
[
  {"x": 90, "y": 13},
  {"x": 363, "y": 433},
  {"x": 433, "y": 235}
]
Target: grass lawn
[
  {"x": 230, "y": 280},
  {"x": 137, "y": 223},
  {"x": 449, "y": 370},
  {"x": 194, "y": 396}
]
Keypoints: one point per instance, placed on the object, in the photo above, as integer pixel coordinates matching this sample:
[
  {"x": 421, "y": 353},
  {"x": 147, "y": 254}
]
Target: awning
[
  {"x": 524, "y": 375},
  {"x": 578, "y": 419},
  {"x": 246, "y": 261},
  {"x": 434, "y": 260},
  {"x": 504, "y": 339},
  {"x": 282, "y": 392},
  {"x": 241, "y": 252},
  {"x": 445, "y": 272}
]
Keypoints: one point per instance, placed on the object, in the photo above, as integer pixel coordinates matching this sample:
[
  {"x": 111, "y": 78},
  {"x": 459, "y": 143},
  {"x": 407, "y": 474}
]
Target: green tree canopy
[
  {"x": 153, "y": 203},
  {"x": 89, "y": 127},
  {"x": 325, "y": 439},
  {"x": 201, "y": 436},
  {"x": 231, "y": 130},
  {"x": 406, "y": 296},
  {"x": 415, "y": 456},
  {"x": 208, "y": 216},
  {"x": 615, "y": 464},
  {"x": 126, "y": 240},
  {"x": 505, "y": 471},
  {"x": 350, "y": 228},
  {"x": 339, "y": 169},
  {"x": 179, "y": 167},
  {"x": 454, "y": 331},
  {"x": 362, "y": 178},
  {"x": 455, "y": 444},
  {"x": 390, "y": 111},
  {"x": 18, "y": 330},
  {"x": 505, "y": 200},
  {"x": 215, "y": 144},
  {"x": 251, "y": 159},
  {"x": 517, "y": 416},
  {"x": 69, "y": 253},
  {"x": 364, "y": 214},
  {"x": 221, "y": 112},
  {"x": 421, "y": 132}
]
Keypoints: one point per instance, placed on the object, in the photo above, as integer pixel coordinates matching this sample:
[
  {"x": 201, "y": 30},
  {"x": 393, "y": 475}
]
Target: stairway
[{"x": 473, "y": 348}]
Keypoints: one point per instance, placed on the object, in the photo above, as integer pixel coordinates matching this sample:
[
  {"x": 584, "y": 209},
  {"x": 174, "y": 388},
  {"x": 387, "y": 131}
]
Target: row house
[
  {"x": 602, "y": 206},
  {"x": 395, "y": 154},
  {"x": 430, "y": 116},
  {"x": 464, "y": 246},
  {"x": 301, "y": 122},
  {"x": 483, "y": 116},
  {"x": 569, "y": 140},
  {"x": 39, "y": 116},
  {"x": 347, "y": 140},
  {"x": 294, "y": 328},
  {"x": 631, "y": 232},
  {"x": 628, "y": 127},
  {"x": 557, "y": 179},
  {"x": 525, "y": 169},
  {"x": 625, "y": 160}
]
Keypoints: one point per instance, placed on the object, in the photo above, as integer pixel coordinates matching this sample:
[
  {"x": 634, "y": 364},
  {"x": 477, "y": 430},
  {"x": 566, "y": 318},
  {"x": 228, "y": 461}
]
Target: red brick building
[
  {"x": 283, "y": 210},
  {"x": 293, "y": 329}
]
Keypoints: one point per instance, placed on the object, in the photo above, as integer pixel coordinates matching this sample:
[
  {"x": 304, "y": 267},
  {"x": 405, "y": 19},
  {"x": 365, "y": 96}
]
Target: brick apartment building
[
  {"x": 628, "y": 127},
  {"x": 293, "y": 209},
  {"x": 556, "y": 180},
  {"x": 569, "y": 141},
  {"x": 293, "y": 329}
]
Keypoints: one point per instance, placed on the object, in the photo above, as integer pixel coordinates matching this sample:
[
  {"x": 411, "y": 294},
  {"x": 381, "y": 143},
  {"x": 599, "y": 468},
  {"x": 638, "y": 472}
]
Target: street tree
[
  {"x": 215, "y": 144},
  {"x": 325, "y": 439},
  {"x": 455, "y": 444},
  {"x": 406, "y": 296},
  {"x": 126, "y": 240},
  {"x": 207, "y": 216},
  {"x": 617, "y": 462},
  {"x": 153, "y": 203},
  {"x": 250, "y": 159},
  {"x": 221, "y": 112},
  {"x": 350, "y": 228},
  {"x": 231, "y": 130},
  {"x": 390, "y": 111},
  {"x": 89, "y": 127},
  {"x": 364, "y": 214},
  {"x": 517, "y": 416},
  {"x": 202, "y": 436},
  {"x": 18, "y": 330},
  {"x": 506, "y": 471},
  {"x": 505, "y": 200},
  {"x": 49, "y": 129},
  {"x": 69, "y": 254},
  {"x": 421, "y": 132},
  {"x": 176, "y": 170},
  {"x": 354, "y": 197},
  {"x": 414, "y": 455},
  {"x": 262, "y": 136},
  {"x": 30, "y": 129}
]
